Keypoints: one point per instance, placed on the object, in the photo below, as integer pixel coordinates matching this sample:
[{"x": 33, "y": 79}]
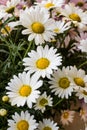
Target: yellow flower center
[
  {"x": 75, "y": 17},
  {"x": 79, "y": 82},
  {"x": 80, "y": 4},
  {"x": 25, "y": 90},
  {"x": 43, "y": 102},
  {"x": 48, "y": 5},
  {"x": 56, "y": 30},
  {"x": 5, "y": 30},
  {"x": 65, "y": 115},
  {"x": 10, "y": 10},
  {"x": 47, "y": 128},
  {"x": 85, "y": 92},
  {"x": 37, "y": 27},
  {"x": 42, "y": 63},
  {"x": 64, "y": 82},
  {"x": 22, "y": 125}
]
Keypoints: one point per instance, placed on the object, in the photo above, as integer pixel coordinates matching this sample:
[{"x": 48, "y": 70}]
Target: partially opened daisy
[
  {"x": 38, "y": 24},
  {"x": 6, "y": 30},
  {"x": 76, "y": 15},
  {"x": 47, "y": 124},
  {"x": 83, "y": 45},
  {"x": 24, "y": 121},
  {"x": 61, "y": 26},
  {"x": 82, "y": 94},
  {"x": 78, "y": 76},
  {"x": 61, "y": 84},
  {"x": 67, "y": 116},
  {"x": 48, "y": 4},
  {"x": 10, "y": 6},
  {"x": 23, "y": 89},
  {"x": 43, "y": 101},
  {"x": 42, "y": 61}
]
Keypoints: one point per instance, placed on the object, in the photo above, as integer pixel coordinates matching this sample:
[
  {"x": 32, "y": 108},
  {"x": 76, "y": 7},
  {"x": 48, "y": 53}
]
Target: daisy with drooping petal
[
  {"x": 39, "y": 26},
  {"x": 47, "y": 124},
  {"x": 61, "y": 26},
  {"x": 23, "y": 89},
  {"x": 48, "y": 4},
  {"x": 67, "y": 117},
  {"x": 76, "y": 15},
  {"x": 43, "y": 101},
  {"x": 24, "y": 121},
  {"x": 61, "y": 83},
  {"x": 83, "y": 45},
  {"x": 42, "y": 61}
]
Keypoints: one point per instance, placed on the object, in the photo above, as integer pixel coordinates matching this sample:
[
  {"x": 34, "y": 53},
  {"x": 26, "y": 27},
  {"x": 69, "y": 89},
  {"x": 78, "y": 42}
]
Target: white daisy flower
[
  {"x": 61, "y": 83},
  {"x": 76, "y": 15},
  {"x": 24, "y": 121},
  {"x": 23, "y": 89},
  {"x": 43, "y": 101},
  {"x": 42, "y": 61},
  {"x": 47, "y": 124},
  {"x": 48, "y": 4},
  {"x": 38, "y": 24},
  {"x": 82, "y": 94},
  {"x": 78, "y": 77},
  {"x": 61, "y": 26},
  {"x": 83, "y": 45},
  {"x": 67, "y": 117}
]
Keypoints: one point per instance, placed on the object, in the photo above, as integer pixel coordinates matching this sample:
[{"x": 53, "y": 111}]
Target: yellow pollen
[
  {"x": 47, "y": 128},
  {"x": 85, "y": 92},
  {"x": 10, "y": 10},
  {"x": 75, "y": 17},
  {"x": 23, "y": 125},
  {"x": 43, "y": 102},
  {"x": 64, "y": 82},
  {"x": 37, "y": 27},
  {"x": 5, "y": 30},
  {"x": 79, "y": 82},
  {"x": 42, "y": 63},
  {"x": 56, "y": 30},
  {"x": 65, "y": 115},
  {"x": 48, "y": 5},
  {"x": 25, "y": 90}
]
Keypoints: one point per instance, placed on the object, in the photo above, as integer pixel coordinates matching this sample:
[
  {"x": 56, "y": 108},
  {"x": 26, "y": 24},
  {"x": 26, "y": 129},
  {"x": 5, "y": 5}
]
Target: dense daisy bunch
[{"x": 43, "y": 64}]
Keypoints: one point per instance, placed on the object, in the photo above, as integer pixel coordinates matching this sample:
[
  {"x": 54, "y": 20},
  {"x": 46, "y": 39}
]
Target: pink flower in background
[
  {"x": 22, "y": 4},
  {"x": 3, "y": 2},
  {"x": 81, "y": 3},
  {"x": 38, "y": 1},
  {"x": 83, "y": 112}
]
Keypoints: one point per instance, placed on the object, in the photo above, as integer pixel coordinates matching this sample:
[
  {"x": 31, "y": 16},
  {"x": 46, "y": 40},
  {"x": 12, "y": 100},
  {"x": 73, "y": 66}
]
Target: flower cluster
[{"x": 43, "y": 63}]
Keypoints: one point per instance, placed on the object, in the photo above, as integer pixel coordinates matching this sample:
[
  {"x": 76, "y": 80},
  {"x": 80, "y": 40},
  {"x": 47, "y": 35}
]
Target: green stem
[
  {"x": 28, "y": 49},
  {"x": 84, "y": 63},
  {"x": 58, "y": 102}
]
